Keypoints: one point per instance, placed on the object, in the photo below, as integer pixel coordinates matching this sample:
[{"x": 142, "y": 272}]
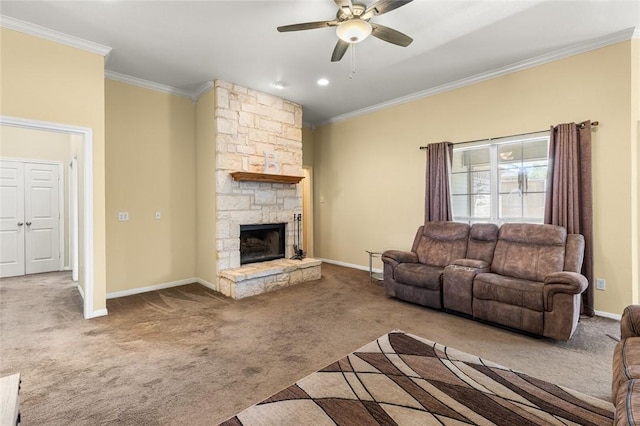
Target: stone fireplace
[{"x": 261, "y": 134}]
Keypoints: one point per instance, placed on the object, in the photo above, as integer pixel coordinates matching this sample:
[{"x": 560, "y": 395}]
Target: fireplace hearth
[{"x": 260, "y": 243}]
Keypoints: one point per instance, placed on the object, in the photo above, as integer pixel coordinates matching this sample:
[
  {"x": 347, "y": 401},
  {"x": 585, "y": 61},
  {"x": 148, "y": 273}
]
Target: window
[{"x": 500, "y": 180}]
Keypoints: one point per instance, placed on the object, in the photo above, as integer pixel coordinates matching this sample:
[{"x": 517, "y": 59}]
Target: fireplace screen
[{"x": 259, "y": 243}]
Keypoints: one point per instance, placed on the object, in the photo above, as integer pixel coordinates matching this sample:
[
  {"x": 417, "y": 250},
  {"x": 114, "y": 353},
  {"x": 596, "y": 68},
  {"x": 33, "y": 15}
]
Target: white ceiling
[{"x": 186, "y": 43}]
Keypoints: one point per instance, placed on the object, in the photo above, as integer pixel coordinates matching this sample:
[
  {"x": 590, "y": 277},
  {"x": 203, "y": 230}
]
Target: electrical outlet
[
  {"x": 123, "y": 216},
  {"x": 601, "y": 284},
  {"x": 158, "y": 215}
]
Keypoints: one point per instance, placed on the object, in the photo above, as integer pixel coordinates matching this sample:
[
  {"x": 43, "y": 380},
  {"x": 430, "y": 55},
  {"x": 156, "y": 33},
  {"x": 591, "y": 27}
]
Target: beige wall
[
  {"x": 150, "y": 167},
  {"x": 30, "y": 144},
  {"x": 635, "y": 167},
  {"x": 47, "y": 81},
  {"x": 370, "y": 173},
  {"x": 206, "y": 188},
  {"x": 307, "y": 146}
]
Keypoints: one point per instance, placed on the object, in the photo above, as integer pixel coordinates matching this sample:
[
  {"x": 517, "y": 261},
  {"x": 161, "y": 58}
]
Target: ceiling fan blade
[
  {"x": 307, "y": 26},
  {"x": 339, "y": 50},
  {"x": 345, "y": 6},
  {"x": 383, "y": 6},
  {"x": 390, "y": 35}
]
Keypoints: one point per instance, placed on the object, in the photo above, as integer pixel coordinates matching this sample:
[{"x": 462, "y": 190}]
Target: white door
[
  {"x": 30, "y": 218},
  {"x": 42, "y": 218},
  {"x": 11, "y": 219}
]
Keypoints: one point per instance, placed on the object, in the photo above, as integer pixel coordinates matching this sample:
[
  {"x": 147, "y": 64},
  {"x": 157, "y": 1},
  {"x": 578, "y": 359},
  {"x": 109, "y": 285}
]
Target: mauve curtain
[
  {"x": 569, "y": 195},
  {"x": 437, "y": 204}
]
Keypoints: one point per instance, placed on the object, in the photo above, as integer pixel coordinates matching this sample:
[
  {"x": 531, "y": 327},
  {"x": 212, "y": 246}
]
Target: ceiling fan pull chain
[{"x": 353, "y": 62}]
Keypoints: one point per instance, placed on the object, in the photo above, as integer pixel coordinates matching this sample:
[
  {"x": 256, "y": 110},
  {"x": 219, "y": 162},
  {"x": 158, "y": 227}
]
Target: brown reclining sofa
[
  {"x": 523, "y": 276},
  {"x": 625, "y": 386}
]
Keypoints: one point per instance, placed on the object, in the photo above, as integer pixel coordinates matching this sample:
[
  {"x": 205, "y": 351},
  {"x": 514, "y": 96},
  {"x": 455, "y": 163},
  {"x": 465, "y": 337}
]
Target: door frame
[
  {"x": 73, "y": 218},
  {"x": 87, "y": 202}
]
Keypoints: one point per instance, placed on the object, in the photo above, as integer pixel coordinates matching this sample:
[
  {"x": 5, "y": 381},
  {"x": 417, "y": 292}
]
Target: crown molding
[
  {"x": 53, "y": 35},
  {"x": 636, "y": 34},
  {"x": 204, "y": 88},
  {"x": 135, "y": 81},
  {"x": 556, "y": 55}
]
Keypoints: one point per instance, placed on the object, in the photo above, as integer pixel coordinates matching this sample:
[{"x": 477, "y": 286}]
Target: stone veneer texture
[{"x": 250, "y": 125}]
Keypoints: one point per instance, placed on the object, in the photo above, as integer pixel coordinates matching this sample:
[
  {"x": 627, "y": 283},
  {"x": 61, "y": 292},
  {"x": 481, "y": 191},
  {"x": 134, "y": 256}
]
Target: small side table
[{"x": 374, "y": 275}]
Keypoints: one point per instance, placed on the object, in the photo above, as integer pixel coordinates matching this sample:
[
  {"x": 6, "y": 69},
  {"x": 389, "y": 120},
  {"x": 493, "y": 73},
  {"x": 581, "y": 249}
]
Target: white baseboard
[
  {"x": 211, "y": 286},
  {"x": 161, "y": 286},
  {"x": 81, "y": 291},
  {"x": 95, "y": 314},
  {"x": 98, "y": 313},
  {"x": 349, "y": 265},
  {"x": 67, "y": 268},
  {"x": 206, "y": 283},
  {"x": 366, "y": 268},
  {"x": 608, "y": 315}
]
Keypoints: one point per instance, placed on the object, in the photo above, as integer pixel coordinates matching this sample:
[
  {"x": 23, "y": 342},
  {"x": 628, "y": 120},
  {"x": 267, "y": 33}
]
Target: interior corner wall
[
  {"x": 635, "y": 168},
  {"x": 151, "y": 167},
  {"x": 369, "y": 172},
  {"x": 47, "y": 81},
  {"x": 30, "y": 144},
  {"x": 206, "y": 188},
  {"x": 307, "y": 146}
]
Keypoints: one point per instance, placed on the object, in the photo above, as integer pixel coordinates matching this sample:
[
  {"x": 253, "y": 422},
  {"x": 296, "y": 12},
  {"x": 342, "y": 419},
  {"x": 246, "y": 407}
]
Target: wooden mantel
[{"x": 265, "y": 177}]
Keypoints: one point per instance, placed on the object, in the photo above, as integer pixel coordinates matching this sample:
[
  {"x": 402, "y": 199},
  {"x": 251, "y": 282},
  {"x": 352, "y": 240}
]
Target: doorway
[
  {"x": 32, "y": 217},
  {"x": 85, "y": 203}
]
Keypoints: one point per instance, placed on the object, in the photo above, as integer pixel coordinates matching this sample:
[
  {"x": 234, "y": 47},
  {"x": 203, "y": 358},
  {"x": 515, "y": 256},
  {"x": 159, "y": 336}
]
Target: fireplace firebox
[{"x": 259, "y": 243}]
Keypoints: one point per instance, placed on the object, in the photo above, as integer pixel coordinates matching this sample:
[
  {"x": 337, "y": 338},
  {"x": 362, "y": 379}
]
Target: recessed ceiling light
[
  {"x": 323, "y": 82},
  {"x": 278, "y": 85}
]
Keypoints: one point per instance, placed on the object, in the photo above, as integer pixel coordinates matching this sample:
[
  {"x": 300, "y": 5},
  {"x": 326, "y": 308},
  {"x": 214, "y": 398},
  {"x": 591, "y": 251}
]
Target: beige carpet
[
  {"x": 402, "y": 379},
  {"x": 189, "y": 356}
]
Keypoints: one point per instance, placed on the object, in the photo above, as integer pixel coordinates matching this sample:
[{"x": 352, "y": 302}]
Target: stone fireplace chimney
[{"x": 260, "y": 133}]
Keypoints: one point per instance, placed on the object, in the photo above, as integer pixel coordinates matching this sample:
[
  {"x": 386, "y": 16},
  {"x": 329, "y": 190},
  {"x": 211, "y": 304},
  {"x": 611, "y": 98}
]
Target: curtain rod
[{"x": 581, "y": 126}]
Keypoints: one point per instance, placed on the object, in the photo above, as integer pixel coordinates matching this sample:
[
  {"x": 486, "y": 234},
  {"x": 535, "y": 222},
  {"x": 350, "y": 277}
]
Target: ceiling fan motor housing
[{"x": 352, "y": 29}]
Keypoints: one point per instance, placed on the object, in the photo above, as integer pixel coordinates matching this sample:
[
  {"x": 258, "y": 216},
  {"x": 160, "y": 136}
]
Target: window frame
[{"x": 494, "y": 145}]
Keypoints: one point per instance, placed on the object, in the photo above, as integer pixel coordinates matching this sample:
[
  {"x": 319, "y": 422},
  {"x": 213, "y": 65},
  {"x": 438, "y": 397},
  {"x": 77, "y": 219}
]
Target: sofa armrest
[
  {"x": 398, "y": 256},
  {"x": 562, "y": 282},
  {"x": 470, "y": 263},
  {"x": 457, "y": 284},
  {"x": 630, "y": 322}
]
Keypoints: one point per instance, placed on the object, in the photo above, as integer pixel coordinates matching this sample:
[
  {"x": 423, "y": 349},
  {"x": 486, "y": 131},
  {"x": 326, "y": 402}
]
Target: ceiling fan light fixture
[{"x": 353, "y": 30}]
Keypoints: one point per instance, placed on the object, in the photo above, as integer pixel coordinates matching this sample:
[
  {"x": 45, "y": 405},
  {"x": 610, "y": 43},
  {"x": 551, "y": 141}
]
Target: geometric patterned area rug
[{"x": 402, "y": 379}]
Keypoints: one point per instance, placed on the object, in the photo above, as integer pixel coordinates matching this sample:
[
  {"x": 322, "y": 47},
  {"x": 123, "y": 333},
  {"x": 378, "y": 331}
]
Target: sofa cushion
[
  {"x": 626, "y": 362},
  {"x": 482, "y": 241},
  {"x": 627, "y": 404},
  {"x": 528, "y": 251},
  {"x": 630, "y": 322},
  {"x": 441, "y": 243},
  {"x": 512, "y": 291},
  {"x": 419, "y": 275}
]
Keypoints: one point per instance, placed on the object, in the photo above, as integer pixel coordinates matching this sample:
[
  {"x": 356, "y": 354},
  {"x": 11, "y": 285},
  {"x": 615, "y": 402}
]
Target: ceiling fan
[{"x": 352, "y": 25}]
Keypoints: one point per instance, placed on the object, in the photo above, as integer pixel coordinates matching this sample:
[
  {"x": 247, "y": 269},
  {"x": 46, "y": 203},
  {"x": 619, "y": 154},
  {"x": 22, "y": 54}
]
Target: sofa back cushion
[
  {"x": 529, "y": 251},
  {"x": 574, "y": 253},
  {"x": 482, "y": 241},
  {"x": 440, "y": 243}
]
